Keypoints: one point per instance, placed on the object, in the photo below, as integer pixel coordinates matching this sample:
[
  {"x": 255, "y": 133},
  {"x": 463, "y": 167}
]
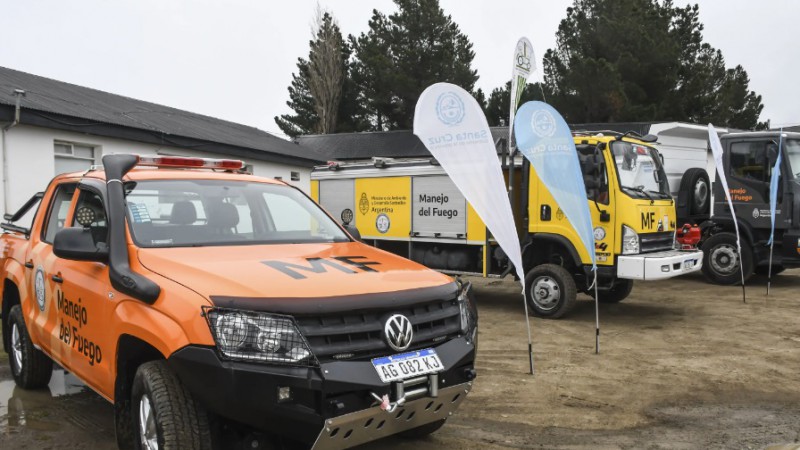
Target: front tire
[
  {"x": 165, "y": 415},
  {"x": 621, "y": 290},
  {"x": 30, "y": 367},
  {"x": 551, "y": 291},
  {"x": 721, "y": 261}
]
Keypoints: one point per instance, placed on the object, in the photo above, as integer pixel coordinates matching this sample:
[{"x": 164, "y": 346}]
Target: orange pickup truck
[{"x": 217, "y": 309}]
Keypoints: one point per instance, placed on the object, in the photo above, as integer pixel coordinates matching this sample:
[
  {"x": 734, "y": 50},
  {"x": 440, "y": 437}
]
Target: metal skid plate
[{"x": 374, "y": 423}]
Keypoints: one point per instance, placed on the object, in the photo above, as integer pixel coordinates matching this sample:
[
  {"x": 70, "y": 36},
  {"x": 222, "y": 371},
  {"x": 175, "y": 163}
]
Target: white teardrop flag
[{"x": 451, "y": 124}]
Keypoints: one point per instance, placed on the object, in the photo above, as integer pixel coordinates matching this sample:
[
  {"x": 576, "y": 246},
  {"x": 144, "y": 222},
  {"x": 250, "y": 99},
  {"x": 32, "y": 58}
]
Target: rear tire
[
  {"x": 173, "y": 420},
  {"x": 551, "y": 291},
  {"x": 696, "y": 185},
  {"x": 621, "y": 290},
  {"x": 721, "y": 261},
  {"x": 30, "y": 367}
]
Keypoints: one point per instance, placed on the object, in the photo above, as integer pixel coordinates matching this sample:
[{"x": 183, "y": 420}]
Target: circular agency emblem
[
  {"x": 560, "y": 214},
  {"x": 363, "y": 204},
  {"x": 756, "y": 214},
  {"x": 382, "y": 223},
  {"x": 347, "y": 216},
  {"x": 38, "y": 285},
  {"x": 450, "y": 108},
  {"x": 599, "y": 233},
  {"x": 398, "y": 332},
  {"x": 543, "y": 123}
]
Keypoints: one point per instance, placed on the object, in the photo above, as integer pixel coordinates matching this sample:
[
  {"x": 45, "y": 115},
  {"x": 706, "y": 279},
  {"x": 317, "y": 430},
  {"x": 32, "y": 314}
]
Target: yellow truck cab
[{"x": 409, "y": 206}]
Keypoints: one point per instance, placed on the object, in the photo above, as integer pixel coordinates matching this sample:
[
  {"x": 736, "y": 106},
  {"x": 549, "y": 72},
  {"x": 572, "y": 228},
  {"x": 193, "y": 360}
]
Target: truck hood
[
  {"x": 289, "y": 271},
  {"x": 651, "y": 218}
]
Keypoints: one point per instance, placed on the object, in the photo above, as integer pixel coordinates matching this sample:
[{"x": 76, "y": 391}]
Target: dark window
[
  {"x": 295, "y": 176},
  {"x": 595, "y": 177},
  {"x": 57, "y": 213},
  {"x": 749, "y": 160}
]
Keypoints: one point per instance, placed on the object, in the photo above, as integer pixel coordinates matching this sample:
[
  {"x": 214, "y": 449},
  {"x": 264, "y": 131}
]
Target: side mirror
[
  {"x": 353, "y": 232},
  {"x": 78, "y": 244},
  {"x": 772, "y": 154}
]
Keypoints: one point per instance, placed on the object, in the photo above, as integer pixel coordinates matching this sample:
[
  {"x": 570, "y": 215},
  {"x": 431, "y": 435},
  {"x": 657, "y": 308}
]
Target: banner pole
[
  {"x": 769, "y": 270},
  {"x": 596, "y": 317},
  {"x": 528, "y": 324},
  {"x": 741, "y": 266}
]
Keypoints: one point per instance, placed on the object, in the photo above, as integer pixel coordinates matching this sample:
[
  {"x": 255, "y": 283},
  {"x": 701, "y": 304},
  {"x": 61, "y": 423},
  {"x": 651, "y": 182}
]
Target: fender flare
[
  {"x": 558, "y": 239},
  {"x": 161, "y": 331}
]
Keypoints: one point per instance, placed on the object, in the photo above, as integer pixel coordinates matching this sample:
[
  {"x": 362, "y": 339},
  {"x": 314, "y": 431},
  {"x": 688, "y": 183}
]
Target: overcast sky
[{"x": 233, "y": 59}]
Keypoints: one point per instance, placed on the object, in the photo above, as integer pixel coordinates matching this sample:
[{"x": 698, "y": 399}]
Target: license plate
[
  {"x": 688, "y": 264},
  {"x": 407, "y": 365}
]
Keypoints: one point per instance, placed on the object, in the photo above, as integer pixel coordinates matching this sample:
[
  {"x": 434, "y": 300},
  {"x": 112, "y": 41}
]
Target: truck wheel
[
  {"x": 721, "y": 261},
  {"x": 30, "y": 367},
  {"x": 621, "y": 290},
  {"x": 422, "y": 431},
  {"x": 165, "y": 415},
  {"x": 696, "y": 184},
  {"x": 551, "y": 290}
]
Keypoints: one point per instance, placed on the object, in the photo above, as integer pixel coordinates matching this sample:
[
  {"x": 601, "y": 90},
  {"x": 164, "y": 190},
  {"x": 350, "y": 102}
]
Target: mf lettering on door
[{"x": 648, "y": 220}]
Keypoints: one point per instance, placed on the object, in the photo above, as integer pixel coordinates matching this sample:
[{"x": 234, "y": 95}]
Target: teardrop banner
[
  {"x": 716, "y": 150},
  {"x": 546, "y": 141},
  {"x": 451, "y": 124}
]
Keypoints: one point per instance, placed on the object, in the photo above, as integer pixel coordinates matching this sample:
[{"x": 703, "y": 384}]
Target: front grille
[
  {"x": 654, "y": 242},
  {"x": 359, "y": 335}
]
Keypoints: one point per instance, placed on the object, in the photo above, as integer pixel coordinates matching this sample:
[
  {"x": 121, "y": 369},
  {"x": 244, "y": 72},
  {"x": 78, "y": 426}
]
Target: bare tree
[{"x": 326, "y": 70}]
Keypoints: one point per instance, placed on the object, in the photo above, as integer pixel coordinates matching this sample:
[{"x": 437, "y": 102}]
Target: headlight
[
  {"x": 469, "y": 316},
  {"x": 630, "y": 241},
  {"x": 258, "y": 337}
]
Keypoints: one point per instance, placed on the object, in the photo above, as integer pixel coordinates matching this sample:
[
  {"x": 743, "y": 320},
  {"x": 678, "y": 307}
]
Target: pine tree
[
  {"x": 322, "y": 96},
  {"x": 404, "y": 53},
  {"x": 643, "y": 60}
]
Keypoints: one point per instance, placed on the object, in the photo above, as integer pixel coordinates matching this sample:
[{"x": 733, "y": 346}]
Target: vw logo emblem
[{"x": 398, "y": 331}]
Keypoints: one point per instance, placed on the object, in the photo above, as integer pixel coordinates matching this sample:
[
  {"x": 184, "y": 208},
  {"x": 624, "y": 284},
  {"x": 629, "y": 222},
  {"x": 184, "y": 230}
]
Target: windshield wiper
[{"x": 640, "y": 189}]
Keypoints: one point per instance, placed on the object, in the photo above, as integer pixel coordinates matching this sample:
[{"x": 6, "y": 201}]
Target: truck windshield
[
  {"x": 640, "y": 172},
  {"x": 792, "y": 153},
  {"x": 194, "y": 213}
]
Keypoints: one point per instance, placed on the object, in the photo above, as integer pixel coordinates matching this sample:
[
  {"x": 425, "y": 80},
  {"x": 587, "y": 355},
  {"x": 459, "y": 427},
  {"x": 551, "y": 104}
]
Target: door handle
[
  {"x": 57, "y": 279},
  {"x": 29, "y": 264}
]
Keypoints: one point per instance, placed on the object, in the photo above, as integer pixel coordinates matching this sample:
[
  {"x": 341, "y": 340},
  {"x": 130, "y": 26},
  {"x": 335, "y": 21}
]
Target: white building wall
[{"x": 31, "y": 160}]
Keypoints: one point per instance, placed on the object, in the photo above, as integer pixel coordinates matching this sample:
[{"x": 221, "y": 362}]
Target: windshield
[
  {"x": 639, "y": 169},
  {"x": 791, "y": 151},
  {"x": 189, "y": 213}
]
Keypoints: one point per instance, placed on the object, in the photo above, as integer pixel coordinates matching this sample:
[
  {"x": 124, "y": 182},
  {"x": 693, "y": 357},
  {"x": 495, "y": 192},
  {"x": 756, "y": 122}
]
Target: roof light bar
[{"x": 192, "y": 163}]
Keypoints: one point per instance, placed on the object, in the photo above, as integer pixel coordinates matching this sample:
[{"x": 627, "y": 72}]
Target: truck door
[
  {"x": 749, "y": 169},
  {"x": 43, "y": 314},
  {"x": 595, "y": 175},
  {"x": 82, "y": 300}
]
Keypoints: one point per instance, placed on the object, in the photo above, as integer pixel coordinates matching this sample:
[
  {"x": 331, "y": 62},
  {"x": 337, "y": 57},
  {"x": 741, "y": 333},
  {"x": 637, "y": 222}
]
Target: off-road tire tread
[
  {"x": 569, "y": 292},
  {"x": 37, "y": 368},
  {"x": 181, "y": 420}
]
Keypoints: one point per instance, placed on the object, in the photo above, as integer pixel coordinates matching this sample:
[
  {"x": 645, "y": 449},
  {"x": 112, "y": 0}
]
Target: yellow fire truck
[{"x": 409, "y": 206}]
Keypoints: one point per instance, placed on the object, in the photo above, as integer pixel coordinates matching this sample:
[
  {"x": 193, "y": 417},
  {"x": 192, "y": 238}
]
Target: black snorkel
[{"x": 122, "y": 277}]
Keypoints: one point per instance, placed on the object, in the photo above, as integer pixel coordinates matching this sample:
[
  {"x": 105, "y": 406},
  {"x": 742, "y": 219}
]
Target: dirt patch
[{"x": 682, "y": 364}]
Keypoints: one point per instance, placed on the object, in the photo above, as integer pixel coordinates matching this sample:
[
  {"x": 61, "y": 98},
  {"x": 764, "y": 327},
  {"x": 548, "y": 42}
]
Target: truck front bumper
[
  {"x": 330, "y": 406},
  {"x": 659, "y": 265}
]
